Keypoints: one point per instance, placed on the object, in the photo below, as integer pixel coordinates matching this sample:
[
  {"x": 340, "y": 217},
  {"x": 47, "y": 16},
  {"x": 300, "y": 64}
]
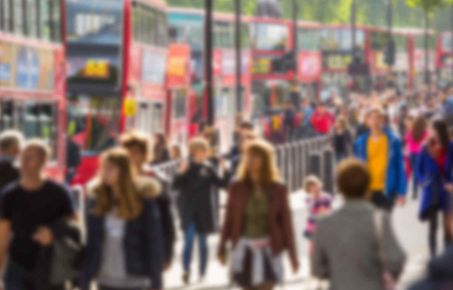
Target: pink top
[{"x": 414, "y": 146}]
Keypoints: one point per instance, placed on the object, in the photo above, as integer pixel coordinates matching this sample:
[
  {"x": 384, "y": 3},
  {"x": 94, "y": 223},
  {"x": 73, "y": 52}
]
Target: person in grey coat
[{"x": 350, "y": 249}]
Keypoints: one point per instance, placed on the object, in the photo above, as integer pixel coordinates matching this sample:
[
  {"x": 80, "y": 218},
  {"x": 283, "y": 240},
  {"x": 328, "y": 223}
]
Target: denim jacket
[{"x": 143, "y": 246}]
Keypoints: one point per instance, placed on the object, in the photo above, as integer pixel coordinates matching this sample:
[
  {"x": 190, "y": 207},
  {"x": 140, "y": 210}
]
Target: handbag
[
  {"x": 66, "y": 255},
  {"x": 388, "y": 279}
]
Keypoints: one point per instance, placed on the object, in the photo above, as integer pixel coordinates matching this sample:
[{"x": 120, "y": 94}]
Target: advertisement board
[
  {"x": 7, "y": 66},
  {"x": 310, "y": 66},
  {"x": 178, "y": 68},
  {"x": 26, "y": 68}
]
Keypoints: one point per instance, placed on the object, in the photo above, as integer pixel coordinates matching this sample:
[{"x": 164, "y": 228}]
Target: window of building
[
  {"x": 55, "y": 20},
  {"x": 34, "y": 119},
  {"x": 5, "y": 15},
  {"x": 44, "y": 19},
  {"x": 18, "y": 17},
  {"x": 31, "y": 19}
]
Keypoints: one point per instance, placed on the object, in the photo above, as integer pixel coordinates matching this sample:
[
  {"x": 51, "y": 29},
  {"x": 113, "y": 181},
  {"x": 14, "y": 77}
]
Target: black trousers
[{"x": 381, "y": 201}]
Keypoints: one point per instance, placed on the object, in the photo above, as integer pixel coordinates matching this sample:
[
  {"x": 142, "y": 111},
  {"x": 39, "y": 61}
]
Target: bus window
[
  {"x": 223, "y": 35},
  {"x": 149, "y": 117},
  {"x": 309, "y": 40},
  {"x": 400, "y": 43},
  {"x": 5, "y": 16},
  {"x": 447, "y": 42},
  {"x": 179, "y": 104},
  {"x": 94, "y": 121},
  {"x": 245, "y": 36},
  {"x": 162, "y": 31},
  {"x": 55, "y": 20},
  {"x": 44, "y": 18},
  {"x": 7, "y": 115},
  {"x": 270, "y": 36},
  {"x": 420, "y": 42},
  {"x": 340, "y": 39},
  {"x": 95, "y": 22},
  {"x": 32, "y": 18},
  {"x": 379, "y": 40},
  {"x": 18, "y": 18}
]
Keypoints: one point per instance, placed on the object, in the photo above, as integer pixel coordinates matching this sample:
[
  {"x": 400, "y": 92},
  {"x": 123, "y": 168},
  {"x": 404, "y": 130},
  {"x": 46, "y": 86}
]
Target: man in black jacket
[{"x": 10, "y": 143}]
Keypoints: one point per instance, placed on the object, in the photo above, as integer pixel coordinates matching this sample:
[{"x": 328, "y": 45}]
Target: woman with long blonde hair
[
  {"x": 124, "y": 234},
  {"x": 258, "y": 221}
]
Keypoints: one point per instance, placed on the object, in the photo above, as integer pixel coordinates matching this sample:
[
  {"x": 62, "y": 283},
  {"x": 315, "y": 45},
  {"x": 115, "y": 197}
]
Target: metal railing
[{"x": 295, "y": 160}]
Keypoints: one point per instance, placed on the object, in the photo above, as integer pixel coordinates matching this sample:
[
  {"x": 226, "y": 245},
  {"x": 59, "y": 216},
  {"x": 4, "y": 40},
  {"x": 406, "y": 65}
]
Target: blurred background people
[
  {"x": 161, "y": 152},
  {"x": 342, "y": 139},
  {"x": 435, "y": 174}
]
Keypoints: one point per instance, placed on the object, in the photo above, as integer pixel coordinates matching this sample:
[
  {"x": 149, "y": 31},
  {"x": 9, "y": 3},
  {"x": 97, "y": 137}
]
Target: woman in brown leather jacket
[{"x": 258, "y": 222}]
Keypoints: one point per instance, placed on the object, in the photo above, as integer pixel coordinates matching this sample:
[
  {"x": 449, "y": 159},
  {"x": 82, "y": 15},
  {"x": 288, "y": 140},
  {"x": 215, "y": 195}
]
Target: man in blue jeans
[{"x": 30, "y": 211}]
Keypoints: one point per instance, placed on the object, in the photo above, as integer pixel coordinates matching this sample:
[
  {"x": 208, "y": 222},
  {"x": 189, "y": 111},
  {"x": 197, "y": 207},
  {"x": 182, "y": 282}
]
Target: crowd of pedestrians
[{"x": 126, "y": 235}]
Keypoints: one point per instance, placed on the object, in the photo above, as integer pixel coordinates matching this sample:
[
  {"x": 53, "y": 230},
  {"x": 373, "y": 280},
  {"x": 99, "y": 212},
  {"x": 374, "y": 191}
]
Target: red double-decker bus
[
  {"x": 117, "y": 57},
  {"x": 273, "y": 71},
  {"x": 444, "y": 61},
  {"x": 186, "y": 28},
  {"x": 32, "y": 73},
  {"x": 309, "y": 67},
  {"x": 337, "y": 55}
]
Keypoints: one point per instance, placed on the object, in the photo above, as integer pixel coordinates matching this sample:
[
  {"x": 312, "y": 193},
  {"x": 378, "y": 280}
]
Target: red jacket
[
  {"x": 280, "y": 222},
  {"x": 322, "y": 122}
]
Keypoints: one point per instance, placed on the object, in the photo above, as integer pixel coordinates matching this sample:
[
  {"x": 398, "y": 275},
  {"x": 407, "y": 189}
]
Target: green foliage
[
  {"x": 406, "y": 13},
  {"x": 428, "y": 6}
]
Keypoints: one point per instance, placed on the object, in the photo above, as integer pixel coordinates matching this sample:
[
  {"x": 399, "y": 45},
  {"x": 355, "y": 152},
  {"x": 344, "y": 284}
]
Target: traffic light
[{"x": 390, "y": 52}]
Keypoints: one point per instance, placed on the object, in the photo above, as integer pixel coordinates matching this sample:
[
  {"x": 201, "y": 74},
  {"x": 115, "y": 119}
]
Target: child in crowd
[{"x": 319, "y": 203}]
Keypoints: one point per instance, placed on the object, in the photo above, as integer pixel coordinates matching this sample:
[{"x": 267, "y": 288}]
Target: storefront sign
[{"x": 310, "y": 66}]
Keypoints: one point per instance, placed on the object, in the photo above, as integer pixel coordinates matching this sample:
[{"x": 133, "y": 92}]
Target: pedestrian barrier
[{"x": 295, "y": 160}]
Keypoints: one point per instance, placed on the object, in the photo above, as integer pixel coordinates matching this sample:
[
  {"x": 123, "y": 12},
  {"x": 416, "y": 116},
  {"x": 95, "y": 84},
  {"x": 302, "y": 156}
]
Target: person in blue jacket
[
  {"x": 434, "y": 172},
  {"x": 381, "y": 150},
  {"x": 124, "y": 248}
]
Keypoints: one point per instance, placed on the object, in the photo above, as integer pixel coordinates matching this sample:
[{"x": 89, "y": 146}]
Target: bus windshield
[
  {"x": 93, "y": 122},
  {"x": 95, "y": 21},
  {"x": 268, "y": 36},
  {"x": 340, "y": 39}
]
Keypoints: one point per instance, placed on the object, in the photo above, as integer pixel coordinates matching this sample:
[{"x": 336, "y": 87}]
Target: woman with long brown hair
[
  {"x": 258, "y": 221},
  {"x": 124, "y": 236}
]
